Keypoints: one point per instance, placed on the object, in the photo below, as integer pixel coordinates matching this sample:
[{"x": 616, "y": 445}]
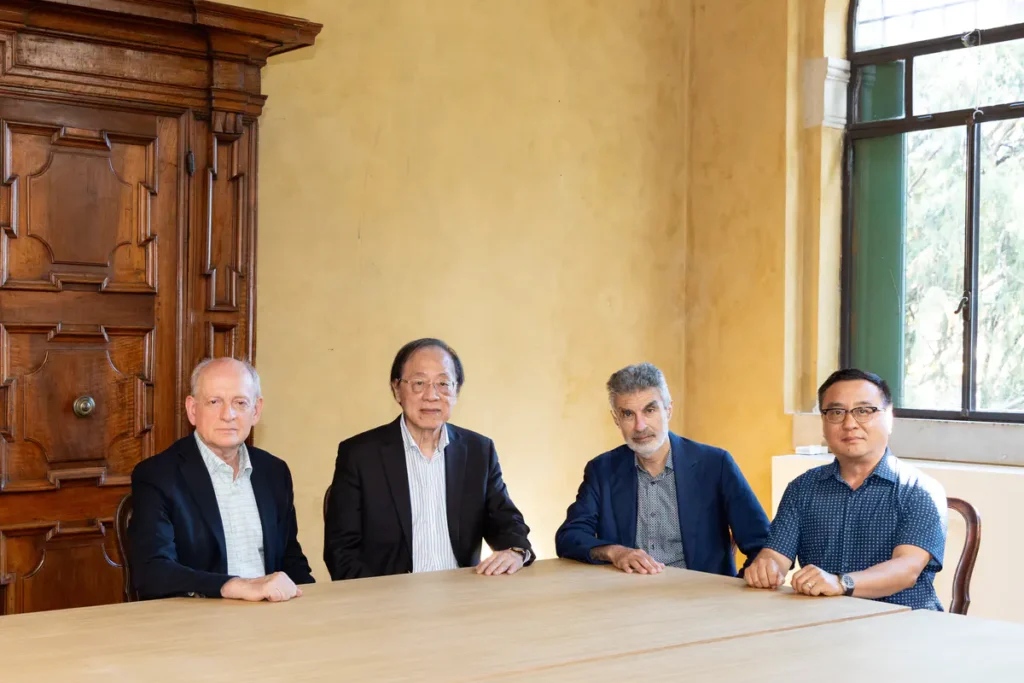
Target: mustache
[{"x": 640, "y": 435}]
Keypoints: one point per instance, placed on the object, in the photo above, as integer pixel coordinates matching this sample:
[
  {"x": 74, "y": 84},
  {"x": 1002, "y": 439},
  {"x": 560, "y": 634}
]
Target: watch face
[{"x": 847, "y": 581}]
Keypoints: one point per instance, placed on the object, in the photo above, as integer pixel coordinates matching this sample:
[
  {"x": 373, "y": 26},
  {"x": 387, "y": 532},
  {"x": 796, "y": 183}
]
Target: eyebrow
[{"x": 652, "y": 403}]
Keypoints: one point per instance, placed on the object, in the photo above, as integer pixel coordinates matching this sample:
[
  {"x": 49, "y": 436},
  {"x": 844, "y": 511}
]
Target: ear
[
  {"x": 257, "y": 410},
  {"x": 190, "y": 409},
  {"x": 668, "y": 412},
  {"x": 615, "y": 418},
  {"x": 395, "y": 392}
]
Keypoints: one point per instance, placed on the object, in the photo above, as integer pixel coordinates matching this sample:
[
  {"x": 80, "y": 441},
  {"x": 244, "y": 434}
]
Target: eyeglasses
[
  {"x": 861, "y": 414},
  {"x": 445, "y": 387}
]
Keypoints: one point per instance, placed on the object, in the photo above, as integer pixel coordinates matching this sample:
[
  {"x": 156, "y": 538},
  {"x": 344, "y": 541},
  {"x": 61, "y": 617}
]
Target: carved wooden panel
[
  {"x": 75, "y": 208},
  {"x": 223, "y": 238},
  {"x": 221, "y": 340},
  {"x": 53, "y": 566},
  {"x": 225, "y": 242},
  {"x": 49, "y": 367}
]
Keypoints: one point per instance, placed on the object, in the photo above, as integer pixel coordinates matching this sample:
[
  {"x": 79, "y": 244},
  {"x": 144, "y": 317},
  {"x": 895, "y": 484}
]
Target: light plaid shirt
[{"x": 243, "y": 530}]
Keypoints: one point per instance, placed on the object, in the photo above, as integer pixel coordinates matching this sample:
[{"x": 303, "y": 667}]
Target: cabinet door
[
  {"x": 222, "y": 236},
  {"x": 91, "y": 202}
]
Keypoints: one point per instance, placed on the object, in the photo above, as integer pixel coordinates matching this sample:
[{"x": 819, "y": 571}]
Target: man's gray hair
[
  {"x": 253, "y": 375},
  {"x": 639, "y": 377}
]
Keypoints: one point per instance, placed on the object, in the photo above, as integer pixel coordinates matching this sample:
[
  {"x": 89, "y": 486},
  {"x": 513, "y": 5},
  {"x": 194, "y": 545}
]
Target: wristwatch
[
  {"x": 525, "y": 553},
  {"x": 847, "y": 583}
]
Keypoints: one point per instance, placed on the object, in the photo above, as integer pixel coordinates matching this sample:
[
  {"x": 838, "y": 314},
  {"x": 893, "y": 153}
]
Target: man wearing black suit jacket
[
  {"x": 212, "y": 517},
  {"x": 419, "y": 494}
]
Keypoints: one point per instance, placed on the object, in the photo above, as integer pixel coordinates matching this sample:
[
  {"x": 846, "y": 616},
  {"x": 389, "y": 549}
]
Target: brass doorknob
[{"x": 83, "y": 406}]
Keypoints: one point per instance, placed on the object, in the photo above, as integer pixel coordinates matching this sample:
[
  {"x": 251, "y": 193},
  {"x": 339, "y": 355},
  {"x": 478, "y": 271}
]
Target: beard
[{"x": 647, "y": 448}]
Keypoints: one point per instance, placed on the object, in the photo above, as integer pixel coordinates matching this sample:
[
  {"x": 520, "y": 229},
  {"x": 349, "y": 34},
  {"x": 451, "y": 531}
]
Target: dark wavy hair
[{"x": 402, "y": 357}]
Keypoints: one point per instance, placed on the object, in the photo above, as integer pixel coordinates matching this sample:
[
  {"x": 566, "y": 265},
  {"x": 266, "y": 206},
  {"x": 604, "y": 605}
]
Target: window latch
[{"x": 965, "y": 302}]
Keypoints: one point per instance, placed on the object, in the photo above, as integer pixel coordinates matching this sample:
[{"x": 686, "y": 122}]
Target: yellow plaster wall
[
  {"x": 740, "y": 92},
  {"x": 509, "y": 176}
]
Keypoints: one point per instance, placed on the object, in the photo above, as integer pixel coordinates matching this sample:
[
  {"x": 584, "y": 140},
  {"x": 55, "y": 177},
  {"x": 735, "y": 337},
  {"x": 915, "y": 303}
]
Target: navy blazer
[
  {"x": 368, "y": 520},
  {"x": 176, "y": 536},
  {"x": 712, "y": 496}
]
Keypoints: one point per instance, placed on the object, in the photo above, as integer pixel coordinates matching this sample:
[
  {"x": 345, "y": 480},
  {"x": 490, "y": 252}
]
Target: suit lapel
[
  {"x": 193, "y": 469},
  {"x": 454, "y": 473},
  {"x": 392, "y": 458},
  {"x": 624, "y": 497},
  {"x": 264, "y": 494},
  {"x": 689, "y": 497}
]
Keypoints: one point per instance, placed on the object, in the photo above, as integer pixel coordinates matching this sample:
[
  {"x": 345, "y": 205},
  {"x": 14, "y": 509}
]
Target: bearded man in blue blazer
[{"x": 660, "y": 500}]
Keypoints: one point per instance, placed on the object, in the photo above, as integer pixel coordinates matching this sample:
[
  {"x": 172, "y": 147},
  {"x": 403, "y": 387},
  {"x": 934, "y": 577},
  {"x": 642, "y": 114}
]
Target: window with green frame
[{"x": 933, "y": 262}]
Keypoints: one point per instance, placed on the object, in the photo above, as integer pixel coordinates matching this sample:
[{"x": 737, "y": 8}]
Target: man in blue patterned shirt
[{"x": 866, "y": 524}]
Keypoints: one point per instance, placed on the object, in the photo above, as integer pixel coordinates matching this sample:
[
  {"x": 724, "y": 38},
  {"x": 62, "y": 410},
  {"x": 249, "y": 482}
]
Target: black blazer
[
  {"x": 176, "y": 537},
  {"x": 368, "y": 522}
]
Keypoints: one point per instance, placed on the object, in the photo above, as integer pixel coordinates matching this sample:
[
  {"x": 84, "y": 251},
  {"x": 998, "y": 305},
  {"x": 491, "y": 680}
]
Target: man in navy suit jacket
[
  {"x": 659, "y": 499},
  {"x": 212, "y": 517}
]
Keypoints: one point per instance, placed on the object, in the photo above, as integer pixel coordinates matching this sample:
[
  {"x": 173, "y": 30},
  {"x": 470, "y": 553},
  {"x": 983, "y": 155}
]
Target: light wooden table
[
  {"x": 440, "y": 626},
  {"x": 908, "y": 646}
]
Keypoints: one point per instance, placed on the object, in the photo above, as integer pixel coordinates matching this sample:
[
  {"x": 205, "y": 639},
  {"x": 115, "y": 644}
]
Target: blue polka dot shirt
[{"x": 822, "y": 521}]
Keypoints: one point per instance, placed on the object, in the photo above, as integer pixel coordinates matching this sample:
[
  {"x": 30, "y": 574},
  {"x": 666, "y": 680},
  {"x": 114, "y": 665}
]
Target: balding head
[{"x": 229, "y": 365}]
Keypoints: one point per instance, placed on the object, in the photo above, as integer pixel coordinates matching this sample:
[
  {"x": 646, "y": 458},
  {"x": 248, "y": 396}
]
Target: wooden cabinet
[{"x": 128, "y": 150}]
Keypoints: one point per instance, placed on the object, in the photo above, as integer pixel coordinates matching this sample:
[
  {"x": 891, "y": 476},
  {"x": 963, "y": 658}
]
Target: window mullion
[
  {"x": 908, "y": 88},
  {"x": 969, "y": 304}
]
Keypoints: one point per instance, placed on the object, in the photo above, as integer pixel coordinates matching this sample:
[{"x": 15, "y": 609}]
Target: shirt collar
[
  {"x": 886, "y": 468},
  {"x": 411, "y": 445},
  {"x": 215, "y": 464}
]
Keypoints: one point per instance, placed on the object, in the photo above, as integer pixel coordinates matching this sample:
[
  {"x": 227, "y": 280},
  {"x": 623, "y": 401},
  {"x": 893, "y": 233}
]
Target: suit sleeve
[
  {"x": 578, "y": 534},
  {"x": 747, "y": 520},
  {"x": 343, "y": 533},
  {"x": 295, "y": 564},
  {"x": 504, "y": 527},
  {"x": 156, "y": 571}
]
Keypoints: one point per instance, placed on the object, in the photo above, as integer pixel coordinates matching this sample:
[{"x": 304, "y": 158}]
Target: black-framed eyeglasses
[
  {"x": 861, "y": 414},
  {"x": 444, "y": 387}
]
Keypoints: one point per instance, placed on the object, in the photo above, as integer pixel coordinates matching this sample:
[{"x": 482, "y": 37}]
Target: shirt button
[{"x": 652, "y": 514}]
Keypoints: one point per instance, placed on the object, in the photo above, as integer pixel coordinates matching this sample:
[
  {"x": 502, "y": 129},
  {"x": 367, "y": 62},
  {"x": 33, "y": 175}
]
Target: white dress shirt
[
  {"x": 243, "y": 530},
  {"x": 431, "y": 544}
]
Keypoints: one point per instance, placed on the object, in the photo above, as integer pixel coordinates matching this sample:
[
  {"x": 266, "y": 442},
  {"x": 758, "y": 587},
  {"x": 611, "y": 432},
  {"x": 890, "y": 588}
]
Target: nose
[
  {"x": 850, "y": 423},
  {"x": 641, "y": 424},
  {"x": 227, "y": 412},
  {"x": 430, "y": 392}
]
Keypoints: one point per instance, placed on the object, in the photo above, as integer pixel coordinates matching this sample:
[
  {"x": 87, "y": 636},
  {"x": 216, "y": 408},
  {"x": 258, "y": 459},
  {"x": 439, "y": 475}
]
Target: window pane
[
  {"x": 964, "y": 79},
  {"x": 1000, "y": 362},
  {"x": 881, "y": 23},
  {"x": 908, "y": 260},
  {"x": 880, "y": 92},
  {"x": 936, "y": 231}
]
